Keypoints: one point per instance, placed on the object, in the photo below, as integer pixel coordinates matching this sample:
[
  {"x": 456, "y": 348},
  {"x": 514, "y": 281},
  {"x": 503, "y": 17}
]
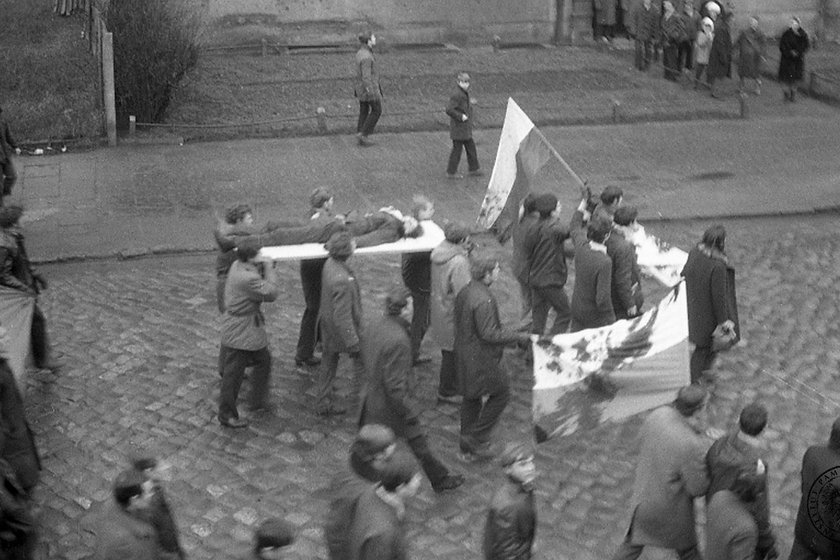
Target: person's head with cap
[
  {"x": 795, "y": 23},
  {"x": 397, "y": 301},
  {"x": 753, "y": 419},
  {"x": 517, "y": 461},
  {"x": 400, "y": 475},
  {"x": 834, "y": 438},
  {"x": 367, "y": 38},
  {"x": 373, "y": 447},
  {"x": 271, "y": 535},
  {"x": 456, "y": 233},
  {"x": 341, "y": 245},
  {"x": 484, "y": 268},
  {"x": 321, "y": 199},
  {"x": 545, "y": 204},
  {"x": 132, "y": 490},
  {"x": 611, "y": 198},
  {"x": 708, "y": 24},
  {"x": 690, "y": 400}
]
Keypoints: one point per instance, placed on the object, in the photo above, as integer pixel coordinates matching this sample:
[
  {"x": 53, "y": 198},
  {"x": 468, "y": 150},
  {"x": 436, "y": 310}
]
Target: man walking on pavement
[
  {"x": 460, "y": 129},
  {"x": 244, "y": 338},
  {"x": 417, "y": 277},
  {"x": 816, "y": 534},
  {"x": 7, "y": 170},
  {"x": 386, "y": 401},
  {"x": 480, "y": 342},
  {"x": 367, "y": 90},
  {"x": 341, "y": 321},
  {"x": 670, "y": 474}
]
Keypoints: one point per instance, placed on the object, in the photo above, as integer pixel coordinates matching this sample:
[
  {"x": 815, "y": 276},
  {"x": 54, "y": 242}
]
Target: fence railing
[{"x": 101, "y": 46}]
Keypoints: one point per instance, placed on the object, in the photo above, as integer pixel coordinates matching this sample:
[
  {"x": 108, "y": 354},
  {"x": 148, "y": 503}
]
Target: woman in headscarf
[{"x": 793, "y": 45}]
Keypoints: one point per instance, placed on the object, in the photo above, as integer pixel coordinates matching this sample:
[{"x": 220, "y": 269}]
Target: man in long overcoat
[
  {"x": 592, "y": 295},
  {"x": 671, "y": 473},
  {"x": 793, "y": 45},
  {"x": 480, "y": 341},
  {"x": 710, "y": 295},
  {"x": 367, "y": 89},
  {"x": 720, "y": 55},
  {"x": 460, "y": 114},
  {"x": 450, "y": 273},
  {"x": 387, "y": 356},
  {"x": 340, "y": 319},
  {"x": 816, "y": 534}
]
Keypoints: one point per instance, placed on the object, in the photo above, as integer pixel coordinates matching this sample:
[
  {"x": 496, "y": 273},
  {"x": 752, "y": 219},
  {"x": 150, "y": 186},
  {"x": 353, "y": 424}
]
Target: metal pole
[{"x": 108, "y": 89}]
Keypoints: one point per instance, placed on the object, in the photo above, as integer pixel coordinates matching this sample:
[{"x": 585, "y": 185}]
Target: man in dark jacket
[
  {"x": 627, "y": 296},
  {"x": 377, "y": 531},
  {"x": 387, "y": 356},
  {"x": 512, "y": 519},
  {"x": 645, "y": 26},
  {"x": 479, "y": 345},
  {"x": 519, "y": 264},
  {"x": 742, "y": 451},
  {"x": 7, "y": 147},
  {"x": 16, "y": 272},
  {"x": 417, "y": 277},
  {"x": 710, "y": 295},
  {"x": 592, "y": 295},
  {"x": 341, "y": 321},
  {"x": 731, "y": 532},
  {"x": 546, "y": 263},
  {"x": 816, "y": 534},
  {"x": 367, "y": 89},
  {"x": 460, "y": 129}
]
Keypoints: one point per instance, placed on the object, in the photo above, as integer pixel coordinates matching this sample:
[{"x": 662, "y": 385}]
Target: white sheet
[{"x": 431, "y": 238}]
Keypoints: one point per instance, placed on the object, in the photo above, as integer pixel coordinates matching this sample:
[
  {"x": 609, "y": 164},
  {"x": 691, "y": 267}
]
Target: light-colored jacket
[
  {"x": 243, "y": 324},
  {"x": 703, "y": 46},
  {"x": 450, "y": 273},
  {"x": 670, "y": 474}
]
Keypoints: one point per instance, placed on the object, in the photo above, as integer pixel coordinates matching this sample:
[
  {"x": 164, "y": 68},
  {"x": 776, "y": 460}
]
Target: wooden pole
[
  {"x": 108, "y": 87},
  {"x": 559, "y": 157}
]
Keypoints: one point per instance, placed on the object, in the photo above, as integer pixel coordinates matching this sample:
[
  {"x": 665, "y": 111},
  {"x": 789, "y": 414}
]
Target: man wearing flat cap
[
  {"x": 341, "y": 321},
  {"x": 670, "y": 474},
  {"x": 385, "y": 400},
  {"x": 544, "y": 247}
]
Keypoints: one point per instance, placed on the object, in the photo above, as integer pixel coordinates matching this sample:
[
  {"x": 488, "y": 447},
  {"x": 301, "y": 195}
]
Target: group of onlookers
[{"x": 699, "y": 37}]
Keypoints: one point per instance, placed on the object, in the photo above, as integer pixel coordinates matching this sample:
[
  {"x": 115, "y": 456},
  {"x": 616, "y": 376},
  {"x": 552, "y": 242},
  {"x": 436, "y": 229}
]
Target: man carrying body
[{"x": 417, "y": 277}]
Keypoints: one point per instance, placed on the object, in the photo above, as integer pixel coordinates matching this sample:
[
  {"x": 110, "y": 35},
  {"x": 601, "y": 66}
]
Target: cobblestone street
[{"x": 140, "y": 339}]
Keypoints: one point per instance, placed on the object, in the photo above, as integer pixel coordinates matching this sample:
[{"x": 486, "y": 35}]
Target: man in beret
[
  {"x": 544, "y": 247},
  {"x": 450, "y": 273},
  {"x": 244, "y": 338},
  {"x": 512, "y": 518},
  {"x": 367, "y": 89},
  {"x": 340, "y": 319},
  {"x": 385, "y": 400},
  {"x": 480, "y": 341},
  {"x": 670, "y": 474}
]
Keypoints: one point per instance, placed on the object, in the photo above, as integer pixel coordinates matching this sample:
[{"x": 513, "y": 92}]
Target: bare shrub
[{"x": 155, "y": 44}]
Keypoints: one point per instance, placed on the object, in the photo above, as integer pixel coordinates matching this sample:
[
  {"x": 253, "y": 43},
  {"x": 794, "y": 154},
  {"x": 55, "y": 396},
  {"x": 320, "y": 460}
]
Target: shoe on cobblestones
[
  {"x": 233, "y": 422},
  {"x": 331, "y": 410},
  {"x": 449, "y": 482},
  {"x": 311, "y": 361}
]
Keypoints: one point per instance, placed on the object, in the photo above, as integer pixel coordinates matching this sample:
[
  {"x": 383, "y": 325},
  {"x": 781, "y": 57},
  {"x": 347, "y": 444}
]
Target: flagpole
[{"x": 558, "y": 156}]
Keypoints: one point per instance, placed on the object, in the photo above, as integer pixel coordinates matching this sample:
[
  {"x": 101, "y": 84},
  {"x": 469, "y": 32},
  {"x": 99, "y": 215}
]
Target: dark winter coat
[
  {"x": 731, "y": 533},
  {"x": 367, "y": 87},
  {"x": 17, "y": 445},
  {"x": 7, "y": 143},
  {"x": 519, "y": 264},
  {"x": 386, "y": 352},
  {"x": 592, "y": 295},
  {"x": 645, "y": 23},
  {"x": 480, "y": 342},
  {"x": 817, "y": 460},
  {"x": 459, "y": 105},
  {"x": 726, "y": 458},
  {"x": 340, "y": 315},
  {"x": 720, "y": 55},
  {"x": 710, "y": 293},
  {"x": 544, "y": 253},
  {"x": 626, "y": 277},
  {"x": 750, "y": 49},
  {"x": 792, "y": 47},
  {"x": 417, "y": 271},
  {"x": 511, "y": 524},
  {"x": 377, "y": 532}
]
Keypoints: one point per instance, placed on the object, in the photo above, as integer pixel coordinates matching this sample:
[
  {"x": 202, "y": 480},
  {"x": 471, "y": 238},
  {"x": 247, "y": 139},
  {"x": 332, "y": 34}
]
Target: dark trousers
[
  {"x": 479, "y": 416},
  {"x": 419, "y": 320},
  {"x": 550, "y": 297},
  {"x": 7, "y": 170},
  {"x": 644, "y": 52},
  {"x": 434, "y": 469},
  {"x": 455, "y": 156},
  {"x": 448, "y": 384},
  {"x": 670, "y": 61},
  {"x": 701, "y": 361},
  {"x": 310, "y": 279},
  {"x": 685, "y": 55},
  {"x": 369, "y": 112},
  {"x": 40, "y": 344},
  {"x": 233, "y": 371},
  {"x": 326, "y": 381}
]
